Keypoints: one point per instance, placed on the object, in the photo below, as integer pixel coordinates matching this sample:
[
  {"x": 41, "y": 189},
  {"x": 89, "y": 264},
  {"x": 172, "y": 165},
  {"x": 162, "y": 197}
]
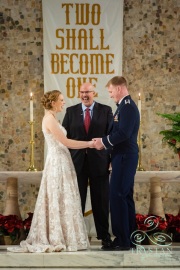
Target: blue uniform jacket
[{"x": 123, "y": 131}]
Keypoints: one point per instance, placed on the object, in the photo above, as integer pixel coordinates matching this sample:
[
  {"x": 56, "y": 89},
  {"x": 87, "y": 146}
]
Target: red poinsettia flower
[
  {"x": 27, "y": 222},
  {"x": 150, "y": 223},
  {"x": 173, "y": 141},
  {"x": 10, "y": 225},
  {"x": 173, "y": 222}
]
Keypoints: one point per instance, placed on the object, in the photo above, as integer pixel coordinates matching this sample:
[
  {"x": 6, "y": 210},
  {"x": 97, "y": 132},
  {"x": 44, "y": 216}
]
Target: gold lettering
[
  {"x": 73, "y": 87},
  {"x": 62, "y": 62},
  {"x": 82, "y": 14},
  {"x": 92, "y": 80},
  {"x": 58, "y": 63},
  {"x": 82, "y": 38},
  {"x": 96, "y": 19},
  {"x": 108, "y": 62},
  {"x": 70, "y": 86},
  {"x": 72, "y": 37},
  {"x": 83, "y": 64},
  {"x": 54, "y": 63},
  {"x": 74, "y": 55},
  {"x": 91, "y": 38},
  {"x": 102, "y": 40},
  {"x": 61, "y": 39},
  {"x": 99, "y": 67},
  {"x": 67, "y": 12}
]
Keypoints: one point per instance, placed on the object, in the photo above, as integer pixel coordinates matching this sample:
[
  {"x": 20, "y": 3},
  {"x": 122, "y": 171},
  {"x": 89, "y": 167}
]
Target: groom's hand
[{"x": 98, "y": 143}]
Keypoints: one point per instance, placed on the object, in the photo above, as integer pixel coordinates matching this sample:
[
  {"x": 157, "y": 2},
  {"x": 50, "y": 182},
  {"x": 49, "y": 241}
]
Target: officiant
[{"x": 84, "y": 121}]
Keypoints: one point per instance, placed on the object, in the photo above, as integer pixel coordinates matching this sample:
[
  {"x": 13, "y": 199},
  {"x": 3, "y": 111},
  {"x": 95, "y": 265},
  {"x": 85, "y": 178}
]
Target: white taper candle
[{"x": 31, "y": 107}]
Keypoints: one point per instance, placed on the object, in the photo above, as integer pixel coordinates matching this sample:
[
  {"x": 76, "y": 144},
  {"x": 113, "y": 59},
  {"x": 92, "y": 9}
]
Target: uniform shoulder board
[{"x": 127, "y": 101}]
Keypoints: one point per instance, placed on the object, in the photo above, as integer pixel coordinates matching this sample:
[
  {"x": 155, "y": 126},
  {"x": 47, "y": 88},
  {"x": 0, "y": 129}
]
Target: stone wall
[
  {"x": 150, "y": 64},
  {"x": 21, "y": 72}
]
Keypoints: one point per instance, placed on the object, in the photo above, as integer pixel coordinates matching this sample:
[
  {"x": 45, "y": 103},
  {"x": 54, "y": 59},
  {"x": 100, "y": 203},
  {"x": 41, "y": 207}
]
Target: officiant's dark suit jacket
[{"x": 91, "y": 164}]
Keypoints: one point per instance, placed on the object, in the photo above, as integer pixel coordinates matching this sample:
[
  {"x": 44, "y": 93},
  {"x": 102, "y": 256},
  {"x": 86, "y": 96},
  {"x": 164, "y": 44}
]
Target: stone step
[{"x": 152, "y": 256}]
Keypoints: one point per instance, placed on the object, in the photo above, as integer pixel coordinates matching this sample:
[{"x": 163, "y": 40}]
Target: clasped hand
[{"x": 96, "y": 143}]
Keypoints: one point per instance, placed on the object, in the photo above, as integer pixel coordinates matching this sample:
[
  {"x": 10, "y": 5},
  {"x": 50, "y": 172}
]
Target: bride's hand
[{"x": 91, "y": 144}]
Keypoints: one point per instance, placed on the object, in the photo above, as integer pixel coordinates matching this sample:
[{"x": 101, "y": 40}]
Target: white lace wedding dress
[{"x": 58, "y": 223}]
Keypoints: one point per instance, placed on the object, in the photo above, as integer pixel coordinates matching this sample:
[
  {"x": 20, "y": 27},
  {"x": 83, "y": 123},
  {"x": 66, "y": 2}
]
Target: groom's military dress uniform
[{"x": 122, "y": 140}]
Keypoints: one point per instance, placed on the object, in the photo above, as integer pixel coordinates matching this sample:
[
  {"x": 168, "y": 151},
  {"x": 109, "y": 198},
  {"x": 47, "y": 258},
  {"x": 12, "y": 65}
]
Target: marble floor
[
  {"x": 150, "y": 258},
  {"x": 132, "y": 268}
]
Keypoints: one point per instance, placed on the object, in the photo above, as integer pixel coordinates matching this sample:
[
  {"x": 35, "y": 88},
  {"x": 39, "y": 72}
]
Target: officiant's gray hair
[{"x": 48, "y": 97}]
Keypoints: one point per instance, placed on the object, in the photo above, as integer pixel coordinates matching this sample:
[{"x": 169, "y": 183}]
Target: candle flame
[
  {"x": 139, "y": 96},
  {"x": 31, "y": 95}
]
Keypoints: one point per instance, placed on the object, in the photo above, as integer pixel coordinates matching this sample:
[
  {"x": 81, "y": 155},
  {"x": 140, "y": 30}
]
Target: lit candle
[
  {"x": 139, "y": 104},
  {"x": 31, "y": 107}
]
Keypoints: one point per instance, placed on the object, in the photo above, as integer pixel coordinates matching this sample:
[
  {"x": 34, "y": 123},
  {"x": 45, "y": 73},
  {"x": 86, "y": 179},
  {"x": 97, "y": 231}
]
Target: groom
[
  {"x": 122, "y": 139},
  {"x": 85, "y": 121}
]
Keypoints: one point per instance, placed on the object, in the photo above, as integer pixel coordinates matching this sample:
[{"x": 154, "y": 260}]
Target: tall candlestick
[
  {"x": 31, "y": 107},
  {"x": 139, "y": 104},
  {"x": 139, "y": 167},
  {"x": 31, "y": 167}
]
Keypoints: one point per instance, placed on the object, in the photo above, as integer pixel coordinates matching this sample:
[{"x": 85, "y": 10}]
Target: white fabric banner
[{"x": 82, "y": 42}]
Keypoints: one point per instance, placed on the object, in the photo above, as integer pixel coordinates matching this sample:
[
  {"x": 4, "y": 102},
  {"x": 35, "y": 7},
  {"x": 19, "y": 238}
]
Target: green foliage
[{"x": 172, "y": 136}]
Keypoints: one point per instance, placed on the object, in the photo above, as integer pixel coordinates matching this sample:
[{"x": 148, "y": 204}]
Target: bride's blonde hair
[{"x": 48, "y": 97}]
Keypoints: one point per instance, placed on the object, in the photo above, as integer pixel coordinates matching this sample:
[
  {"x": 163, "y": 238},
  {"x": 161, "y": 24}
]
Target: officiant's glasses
[{"x": 85, "y": 92}]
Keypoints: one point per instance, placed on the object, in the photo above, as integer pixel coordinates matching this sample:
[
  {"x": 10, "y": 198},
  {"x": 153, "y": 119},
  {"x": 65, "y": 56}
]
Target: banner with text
[{"x": 82, "y": 42}]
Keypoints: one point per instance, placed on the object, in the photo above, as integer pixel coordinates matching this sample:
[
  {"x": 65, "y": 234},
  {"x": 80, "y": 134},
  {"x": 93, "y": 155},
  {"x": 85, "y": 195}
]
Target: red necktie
[{"x": 87, "y": 120}]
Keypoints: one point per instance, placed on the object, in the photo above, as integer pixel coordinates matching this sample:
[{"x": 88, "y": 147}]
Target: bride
[{"x": 57, "y": 223}]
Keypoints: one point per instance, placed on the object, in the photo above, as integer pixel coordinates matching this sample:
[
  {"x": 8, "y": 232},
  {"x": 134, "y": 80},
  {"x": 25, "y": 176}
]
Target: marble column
[
  {"x": 156, "y": 205},
  {"x": 11, "y": 203}
]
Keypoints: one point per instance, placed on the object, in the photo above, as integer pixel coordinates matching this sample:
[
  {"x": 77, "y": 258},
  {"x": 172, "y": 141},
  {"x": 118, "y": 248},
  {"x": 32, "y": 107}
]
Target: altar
[
  {"x": 20, "y": 190},
  {"x": 141, "y": 176}
]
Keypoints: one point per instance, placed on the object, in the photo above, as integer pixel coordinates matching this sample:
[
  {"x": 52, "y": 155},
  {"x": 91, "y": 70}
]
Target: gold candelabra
[
  {"x": 31, "y": 167},
  {"x": 139, "y": 167}
]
